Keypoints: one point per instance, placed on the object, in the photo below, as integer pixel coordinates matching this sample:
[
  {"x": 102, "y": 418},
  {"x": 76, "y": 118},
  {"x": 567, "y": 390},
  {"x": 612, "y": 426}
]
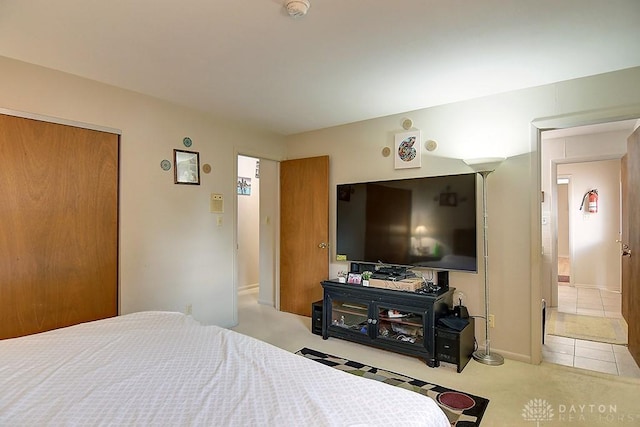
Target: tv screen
[{"x": 425, "y": 222}]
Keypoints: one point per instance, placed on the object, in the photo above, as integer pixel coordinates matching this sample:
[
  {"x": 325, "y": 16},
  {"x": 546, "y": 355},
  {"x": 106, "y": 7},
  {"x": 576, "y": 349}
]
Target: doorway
[
  {"x": 585, "y": 276},
  {"x": 257, "y": 228}
]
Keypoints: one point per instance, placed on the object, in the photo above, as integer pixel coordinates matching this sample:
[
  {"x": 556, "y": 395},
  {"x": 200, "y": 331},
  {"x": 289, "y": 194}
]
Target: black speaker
[
  {"x": 443, "y": 280},
  {"x": 316, "y": 317},
  {"x": 455, "y": 346}
]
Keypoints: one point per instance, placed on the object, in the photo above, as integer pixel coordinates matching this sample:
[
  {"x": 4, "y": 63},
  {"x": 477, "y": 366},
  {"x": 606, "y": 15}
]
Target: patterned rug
[{"x": 462, "y": 409}]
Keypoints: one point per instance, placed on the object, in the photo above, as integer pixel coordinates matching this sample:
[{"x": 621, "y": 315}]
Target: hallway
[{"x": 595, "y": 356}]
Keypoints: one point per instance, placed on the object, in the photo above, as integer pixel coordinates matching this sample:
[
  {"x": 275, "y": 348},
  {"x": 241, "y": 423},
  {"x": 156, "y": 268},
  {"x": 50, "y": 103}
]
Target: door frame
[
  {"x": 59, "y": 121},
  {"x": 537, "y": 127},
  {"x": 274, "y": 186}
]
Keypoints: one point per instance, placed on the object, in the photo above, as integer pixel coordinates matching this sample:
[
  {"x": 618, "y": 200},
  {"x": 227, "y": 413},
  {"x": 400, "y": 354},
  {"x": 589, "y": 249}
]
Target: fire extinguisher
[{"x": 591, "y": 197}]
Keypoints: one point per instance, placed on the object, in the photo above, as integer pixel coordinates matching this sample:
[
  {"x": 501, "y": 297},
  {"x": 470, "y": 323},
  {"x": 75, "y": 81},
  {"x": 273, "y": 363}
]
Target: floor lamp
[{"x": 484, "y": 167}]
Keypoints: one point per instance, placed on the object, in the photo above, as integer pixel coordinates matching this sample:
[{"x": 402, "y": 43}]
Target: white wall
[
  {"x": 248, "y": 225},
  {"x": 499, "y": 125},
  {"x": 172, "y": 252},
  {"x": 595, "y": 259}
]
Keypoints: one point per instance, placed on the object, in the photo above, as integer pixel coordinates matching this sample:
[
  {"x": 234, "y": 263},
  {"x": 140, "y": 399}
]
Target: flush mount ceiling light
[{"x": 297, "y": 8}]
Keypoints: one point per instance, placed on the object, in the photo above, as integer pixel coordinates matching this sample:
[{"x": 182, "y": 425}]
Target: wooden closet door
[{"x": 59, "y": 225}]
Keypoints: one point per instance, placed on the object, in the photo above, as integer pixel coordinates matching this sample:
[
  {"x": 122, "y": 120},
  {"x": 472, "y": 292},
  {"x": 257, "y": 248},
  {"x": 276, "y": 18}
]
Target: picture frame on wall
[
  {"x": 186, "y": 167},
  {"x": 407, "y": 152},
  {"x": 244, "y": 186}
]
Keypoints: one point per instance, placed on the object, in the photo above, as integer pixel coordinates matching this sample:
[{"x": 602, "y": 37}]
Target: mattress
[{"x": 166, "y": 369}]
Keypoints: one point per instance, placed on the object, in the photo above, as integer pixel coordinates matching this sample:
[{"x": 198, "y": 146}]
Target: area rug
[
  {"x": 462, "y": 409},
  {"x": 590, "y": 328}
]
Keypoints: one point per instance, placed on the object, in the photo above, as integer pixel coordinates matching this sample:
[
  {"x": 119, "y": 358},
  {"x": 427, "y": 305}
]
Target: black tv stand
[{"x": 400, "y": 321}]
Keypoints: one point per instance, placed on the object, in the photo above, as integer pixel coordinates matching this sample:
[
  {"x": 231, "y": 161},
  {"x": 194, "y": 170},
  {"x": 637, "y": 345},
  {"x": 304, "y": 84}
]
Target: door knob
[{"x": 323, "y": 245}]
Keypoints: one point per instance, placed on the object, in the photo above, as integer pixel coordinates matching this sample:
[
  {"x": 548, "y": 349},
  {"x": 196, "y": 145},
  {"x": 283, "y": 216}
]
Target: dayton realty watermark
[{"x": 541, "y": 411}]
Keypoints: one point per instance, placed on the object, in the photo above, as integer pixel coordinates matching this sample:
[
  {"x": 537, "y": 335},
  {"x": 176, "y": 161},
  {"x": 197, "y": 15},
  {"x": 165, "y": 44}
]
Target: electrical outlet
[
  {"x": 188, "y": 309},
  {"x": 492, "y": 321}
]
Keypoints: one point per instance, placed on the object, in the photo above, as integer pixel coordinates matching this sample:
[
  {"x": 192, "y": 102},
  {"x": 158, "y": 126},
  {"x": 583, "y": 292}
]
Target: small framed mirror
[{"x": 186, "y": 168}]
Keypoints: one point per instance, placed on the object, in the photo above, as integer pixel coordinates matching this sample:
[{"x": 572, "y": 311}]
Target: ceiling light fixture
[{"x": 297, "y": 8}]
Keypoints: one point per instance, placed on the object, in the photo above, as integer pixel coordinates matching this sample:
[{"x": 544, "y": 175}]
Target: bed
[{"x": 164, "y": 368}]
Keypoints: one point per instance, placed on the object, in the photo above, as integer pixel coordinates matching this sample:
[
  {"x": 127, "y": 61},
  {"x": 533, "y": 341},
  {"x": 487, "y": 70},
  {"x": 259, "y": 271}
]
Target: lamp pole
[{"x": 486, "y": 356}]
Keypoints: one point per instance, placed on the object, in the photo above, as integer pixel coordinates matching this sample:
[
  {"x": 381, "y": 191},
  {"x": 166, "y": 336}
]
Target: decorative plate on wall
[
  {"x": 165, "y": 165},
  {"x": 187, "y": 141}
]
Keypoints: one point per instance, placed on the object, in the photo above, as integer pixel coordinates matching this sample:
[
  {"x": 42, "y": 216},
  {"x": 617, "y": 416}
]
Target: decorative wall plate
[
  {"x": 165, "y": 165},
  {"x": 187, "y": 141}
]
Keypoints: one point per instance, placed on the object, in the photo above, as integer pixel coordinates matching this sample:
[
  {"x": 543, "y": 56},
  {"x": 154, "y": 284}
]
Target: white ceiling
[{"x": 345, "y": 61}]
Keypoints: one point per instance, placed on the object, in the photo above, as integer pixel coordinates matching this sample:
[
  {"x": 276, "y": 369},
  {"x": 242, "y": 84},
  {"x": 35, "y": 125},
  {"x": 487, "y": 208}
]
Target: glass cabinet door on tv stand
[
  {"x": 394, "y": 320},
  {"x": 400, "y": 325},
  {"x": 349, "y": 315}
]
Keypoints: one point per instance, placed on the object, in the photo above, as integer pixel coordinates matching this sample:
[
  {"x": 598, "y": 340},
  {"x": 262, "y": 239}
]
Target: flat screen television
[{"x": 427, "y": 222}]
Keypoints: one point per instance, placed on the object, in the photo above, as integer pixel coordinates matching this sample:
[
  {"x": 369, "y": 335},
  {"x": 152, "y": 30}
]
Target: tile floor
[{"x": 595, "y": 356}]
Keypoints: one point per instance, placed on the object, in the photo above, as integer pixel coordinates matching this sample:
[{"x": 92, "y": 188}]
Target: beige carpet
[{"x": 590, "y": 328}]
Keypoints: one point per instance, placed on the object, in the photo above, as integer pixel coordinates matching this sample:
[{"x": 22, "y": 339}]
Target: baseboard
[
  {"x": 250, "y": 287},
  {"x": 511, "y": 356}
]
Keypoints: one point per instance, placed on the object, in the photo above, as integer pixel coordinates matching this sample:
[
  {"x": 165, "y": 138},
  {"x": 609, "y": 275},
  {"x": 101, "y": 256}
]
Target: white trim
[
  {"x": 59, "y": 121},
  {"x": 537, "y": 127},
  {"x": 626, "y": 112}
]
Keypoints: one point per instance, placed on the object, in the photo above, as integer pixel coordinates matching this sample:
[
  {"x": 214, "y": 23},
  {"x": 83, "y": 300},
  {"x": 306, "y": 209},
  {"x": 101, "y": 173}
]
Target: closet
[{"x": 59, "y": 225}]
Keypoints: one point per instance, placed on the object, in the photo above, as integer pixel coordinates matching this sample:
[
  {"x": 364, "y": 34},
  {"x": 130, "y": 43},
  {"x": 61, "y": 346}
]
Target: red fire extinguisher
[{"x": 591, "y": 197}]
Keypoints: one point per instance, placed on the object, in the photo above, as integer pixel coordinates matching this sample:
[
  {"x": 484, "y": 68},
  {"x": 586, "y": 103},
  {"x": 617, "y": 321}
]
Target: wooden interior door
[
  {"x": 631, "y": 238},
  {"x": 304, "y": 232},
  {"x": 59, "y": 234}
]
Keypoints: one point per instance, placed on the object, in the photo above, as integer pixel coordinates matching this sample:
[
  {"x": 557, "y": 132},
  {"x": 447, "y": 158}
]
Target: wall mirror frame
[{"x": 186, "y": 168}]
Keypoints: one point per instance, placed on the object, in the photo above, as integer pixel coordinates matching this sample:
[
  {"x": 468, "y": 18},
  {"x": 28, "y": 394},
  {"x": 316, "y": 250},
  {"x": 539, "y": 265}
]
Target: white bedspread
[{"x": 165, "y": 369}]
